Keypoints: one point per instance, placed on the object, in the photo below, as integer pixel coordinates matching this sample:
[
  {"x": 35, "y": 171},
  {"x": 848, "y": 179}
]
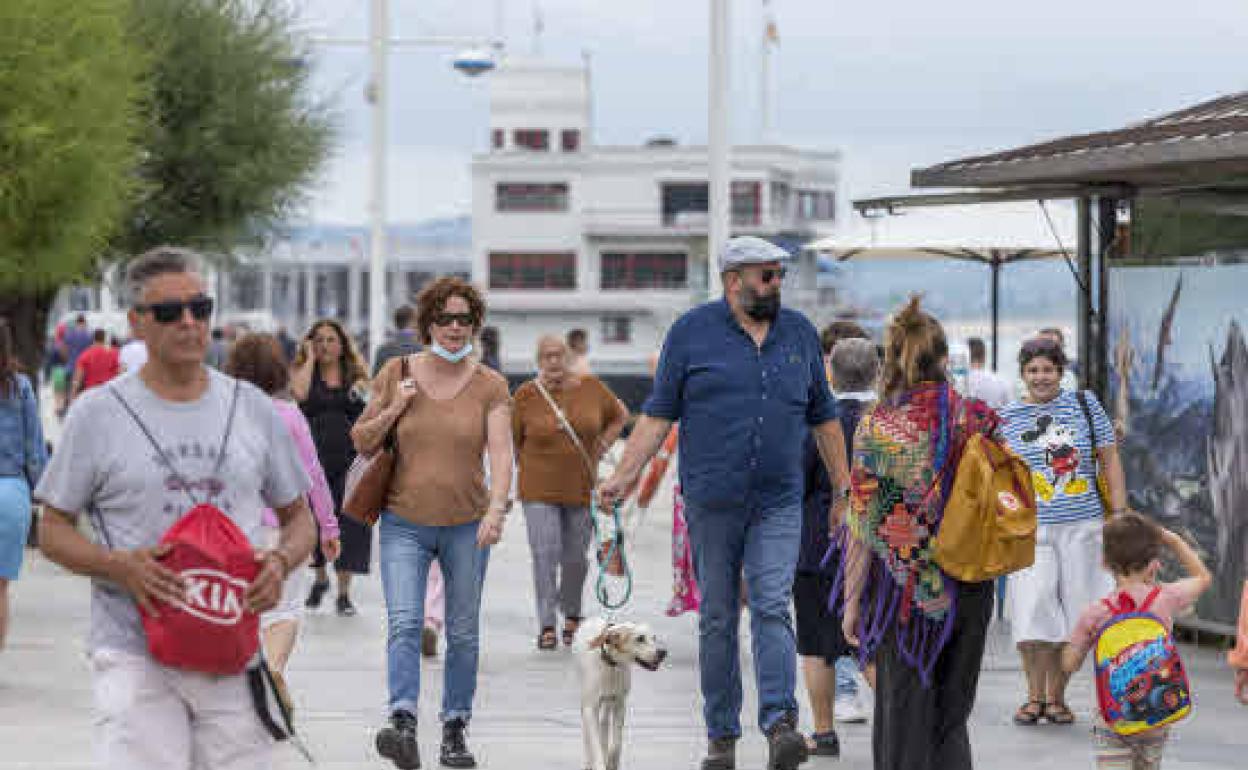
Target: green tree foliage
[
  {"x": 69, "y": 79},
  {"x": 1178, "y": 228},
  {"x": 233, "y": 139}
]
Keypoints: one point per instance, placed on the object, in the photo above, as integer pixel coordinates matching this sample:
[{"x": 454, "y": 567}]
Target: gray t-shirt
[{"x": 105, "y": 462}]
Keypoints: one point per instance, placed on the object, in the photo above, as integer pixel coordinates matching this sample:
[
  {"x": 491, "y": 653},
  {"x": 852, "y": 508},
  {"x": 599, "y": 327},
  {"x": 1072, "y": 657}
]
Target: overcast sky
[{"x": 892, "y": 85}]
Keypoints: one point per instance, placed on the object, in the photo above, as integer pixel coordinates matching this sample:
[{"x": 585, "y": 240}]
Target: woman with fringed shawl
[{"x": 924, "y": 630}]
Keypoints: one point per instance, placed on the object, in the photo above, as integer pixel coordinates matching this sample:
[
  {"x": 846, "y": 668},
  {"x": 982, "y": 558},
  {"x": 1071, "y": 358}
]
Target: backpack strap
[{"x": 1148, "y": 600}]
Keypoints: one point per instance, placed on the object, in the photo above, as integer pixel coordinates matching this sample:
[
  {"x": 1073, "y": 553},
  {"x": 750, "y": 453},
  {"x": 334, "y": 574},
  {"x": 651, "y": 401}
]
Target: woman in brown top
[
  {"x": 447, "y": 411},
  {"x": 557, "y": 474}
]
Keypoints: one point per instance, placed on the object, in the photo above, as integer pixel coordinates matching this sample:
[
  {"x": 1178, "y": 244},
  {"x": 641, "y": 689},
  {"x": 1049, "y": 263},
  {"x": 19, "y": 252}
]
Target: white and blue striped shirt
[{"x": 1055, "y": 442}]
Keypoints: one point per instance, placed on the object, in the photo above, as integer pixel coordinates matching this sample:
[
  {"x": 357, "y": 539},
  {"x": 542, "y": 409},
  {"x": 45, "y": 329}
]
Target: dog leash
[{"x": 615, "y": 549}]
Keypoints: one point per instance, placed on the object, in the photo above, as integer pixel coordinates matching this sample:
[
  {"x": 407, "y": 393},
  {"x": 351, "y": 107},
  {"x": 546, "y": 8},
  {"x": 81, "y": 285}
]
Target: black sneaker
[
  {"x": 345, "y": 607},
  {"x": 721, "y": 754},
  {"x": 455, "y": 751},
  {"x": 397, "y": 741},
  {"x": 826, "y": 744},
  {"x": 786, "y": 748},
  {"x": 316, "y": 594}
]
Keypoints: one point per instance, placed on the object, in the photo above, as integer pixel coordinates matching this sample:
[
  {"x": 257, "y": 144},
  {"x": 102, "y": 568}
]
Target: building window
[
  {"x": 693, "y": 197},
  {"x": 570, "y": 140},
  {"x": 528, "y": 270},
  {"x": 645, "y": 270},
  {"x": 617, "y": 329},
  {"x": 816, "y": 205},
  {"x": 531, "y": 139},
  {"x": 512, "y": 196},
  {"x": 496, "y": 138},
  {"x": 780, "y": 198}
]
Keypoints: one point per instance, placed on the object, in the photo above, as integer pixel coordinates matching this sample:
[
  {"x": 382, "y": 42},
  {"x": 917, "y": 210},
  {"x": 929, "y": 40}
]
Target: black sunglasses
[
  {"x": 465, "y": 320},
  {"x": 171, "y": 311},
  {"x": 770, "y": 273}
]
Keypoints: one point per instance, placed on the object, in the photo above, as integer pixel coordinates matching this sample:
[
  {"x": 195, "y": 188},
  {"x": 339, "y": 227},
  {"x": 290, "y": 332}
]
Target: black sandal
[
  {"x": 570, "y": 626},
  {"x": 546, "y": 640},
  {"x": 317, "y": 594},
  {"x": 1027, "y": 716},
  {"x": 1059, "y": 714}
]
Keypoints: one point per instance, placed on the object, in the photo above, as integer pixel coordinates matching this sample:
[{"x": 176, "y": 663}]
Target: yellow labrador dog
[{"x": 605, "y": 653}]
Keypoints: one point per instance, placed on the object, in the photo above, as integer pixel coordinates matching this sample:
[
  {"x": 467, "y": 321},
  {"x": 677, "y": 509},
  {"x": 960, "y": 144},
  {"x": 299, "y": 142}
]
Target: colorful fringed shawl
[{"x": 905, "y": 454}]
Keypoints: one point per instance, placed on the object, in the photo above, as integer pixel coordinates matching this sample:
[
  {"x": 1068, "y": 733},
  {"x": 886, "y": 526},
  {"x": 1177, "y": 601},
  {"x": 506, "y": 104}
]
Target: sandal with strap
[
  {"x": 570, "y": 626},
  {"x": 1059, "y": 714},
  {"x": 1030, "y": 713},
  {"x": 547, "y": 640}
]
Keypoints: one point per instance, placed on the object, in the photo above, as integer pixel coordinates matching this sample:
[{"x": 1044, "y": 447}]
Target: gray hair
[
  {"x": 855, "y": 365},
  {"x": 550, "y": 339},
  {"x": 161, "y": 260}
]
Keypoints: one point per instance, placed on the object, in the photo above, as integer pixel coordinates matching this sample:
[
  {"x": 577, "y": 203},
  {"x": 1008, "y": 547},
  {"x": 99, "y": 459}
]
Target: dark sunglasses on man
[
  {"x": 768, "y": 274},
  {"x": 171, "y": 311},
  {"x": 465, "y": 320}
]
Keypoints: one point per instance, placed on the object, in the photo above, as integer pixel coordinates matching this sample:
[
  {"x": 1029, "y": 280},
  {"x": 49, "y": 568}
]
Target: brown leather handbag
[{"x": 368, "y": 479}]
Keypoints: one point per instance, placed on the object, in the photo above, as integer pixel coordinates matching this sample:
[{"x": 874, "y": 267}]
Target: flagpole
[{"x": 718, "y": 181}]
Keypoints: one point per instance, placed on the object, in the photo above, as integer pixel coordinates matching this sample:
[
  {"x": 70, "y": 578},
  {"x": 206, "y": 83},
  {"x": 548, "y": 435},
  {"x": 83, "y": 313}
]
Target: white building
[{"x": 612, "y": 239}]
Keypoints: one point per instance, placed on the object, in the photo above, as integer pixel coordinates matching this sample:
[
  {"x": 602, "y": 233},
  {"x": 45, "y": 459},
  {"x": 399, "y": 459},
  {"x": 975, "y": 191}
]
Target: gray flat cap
[{"x": 748, "y": 250}]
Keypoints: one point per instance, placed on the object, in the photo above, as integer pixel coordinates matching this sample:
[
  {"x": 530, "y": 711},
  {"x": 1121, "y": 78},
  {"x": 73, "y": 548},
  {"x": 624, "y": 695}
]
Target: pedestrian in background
[
  {"x": 745, "y": 379},
  {"x": 404, "y": 342},
  {"x": 446, "y": 410},
  {"x": 258, "y": 359},
  {"x": 1064, "y": 437},
  {"x": 328, "y": 381},
  {"x": 578, "y": 347},
  {"x": 153, "y": 716},
  {"x": 835, "y": 694},
  {"x": 218, "y": 349},
  {"x": 96, "y": 365},
  {"x": 76, "y": 339},
  {"x": 133, "y": 355},
  {"x": 987, "y": 386},
  {"x": 23, "y": 454},
  {"x": 924, "y": 630},
  {"x": 562, "y": 425},
  {"x": 491, "y": 351}
]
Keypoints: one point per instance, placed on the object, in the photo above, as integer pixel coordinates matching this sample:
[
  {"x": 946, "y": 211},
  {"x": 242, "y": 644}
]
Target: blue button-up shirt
[
  {"x": 22, "y": 451},
  {"x": 744, "y": 410}
]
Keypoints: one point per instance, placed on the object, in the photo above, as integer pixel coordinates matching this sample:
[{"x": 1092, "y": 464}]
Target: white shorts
[
  {"x": 1044, "y": 601},
  {"x": 294, "y": 589},
  {"x": 150, "y": 717}
]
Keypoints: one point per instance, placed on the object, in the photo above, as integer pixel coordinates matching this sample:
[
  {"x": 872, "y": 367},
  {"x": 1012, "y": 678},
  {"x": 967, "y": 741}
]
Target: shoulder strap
[
  {"x": 567, "y": 428},
  {"x": 1147, "y": 604},
  {"x": 391, "y": 441},
  {"x": 1087, "y": 416}
]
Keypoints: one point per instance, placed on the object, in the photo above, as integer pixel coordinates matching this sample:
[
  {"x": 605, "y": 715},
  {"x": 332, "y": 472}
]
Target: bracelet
[{"x": 284, "y": 559}]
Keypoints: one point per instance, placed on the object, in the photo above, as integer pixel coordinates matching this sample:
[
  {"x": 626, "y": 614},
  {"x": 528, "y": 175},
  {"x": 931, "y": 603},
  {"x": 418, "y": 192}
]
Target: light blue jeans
[
  {"x": 407, "y": 550},
  {"x": 762, "y": 546},
  {"x": 846, "y": 684}
]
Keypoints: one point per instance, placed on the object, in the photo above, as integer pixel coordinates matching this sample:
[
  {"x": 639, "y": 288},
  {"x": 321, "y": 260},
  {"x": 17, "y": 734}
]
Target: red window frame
[
  {"x": 570, "y": 140},
  {"x": 644, "y": 270},
  {"x": 532, "y": 270},
  {"x": 536, "y": 139},
  {"x": 512, "y": 197}
]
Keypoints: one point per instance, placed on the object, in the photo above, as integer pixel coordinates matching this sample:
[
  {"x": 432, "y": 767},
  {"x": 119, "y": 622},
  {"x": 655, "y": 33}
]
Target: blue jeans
[
  {"x": 762, "y": 546},
  {"x": 846, "y": 683},
  {"x": 407, "y": 550}
]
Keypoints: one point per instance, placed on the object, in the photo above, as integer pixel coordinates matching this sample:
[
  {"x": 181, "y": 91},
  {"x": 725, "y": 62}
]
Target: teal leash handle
[{"x": 617, "y": 548}]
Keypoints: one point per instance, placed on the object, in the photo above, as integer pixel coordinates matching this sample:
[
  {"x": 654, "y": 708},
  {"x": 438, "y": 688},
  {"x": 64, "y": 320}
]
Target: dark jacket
[
  {"x": 817, "y": 497},
  {"x": 402, "y": 344}
]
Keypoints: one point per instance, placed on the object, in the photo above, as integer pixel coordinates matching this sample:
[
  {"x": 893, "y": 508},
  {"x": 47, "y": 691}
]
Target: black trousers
[{"x": 924, "y": 728}]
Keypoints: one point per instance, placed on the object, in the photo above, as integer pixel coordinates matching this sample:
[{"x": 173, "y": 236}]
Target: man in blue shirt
[{"x": 744, "y": 378}]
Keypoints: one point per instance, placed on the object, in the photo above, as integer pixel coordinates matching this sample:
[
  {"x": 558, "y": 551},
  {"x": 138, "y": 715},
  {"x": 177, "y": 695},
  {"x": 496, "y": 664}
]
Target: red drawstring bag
[{"x": 210, "y": 631}]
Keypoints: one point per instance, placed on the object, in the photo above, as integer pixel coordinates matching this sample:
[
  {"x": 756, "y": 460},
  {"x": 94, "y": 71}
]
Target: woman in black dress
[{"x": 329, "y": 381}]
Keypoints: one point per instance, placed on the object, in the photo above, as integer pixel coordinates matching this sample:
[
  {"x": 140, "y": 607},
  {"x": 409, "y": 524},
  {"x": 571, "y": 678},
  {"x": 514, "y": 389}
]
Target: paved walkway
[{"x": 527, "y": 713}]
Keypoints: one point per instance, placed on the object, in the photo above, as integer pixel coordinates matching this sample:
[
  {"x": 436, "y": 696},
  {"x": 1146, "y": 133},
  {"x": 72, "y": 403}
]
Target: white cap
[{"x": 749, "y": 250}]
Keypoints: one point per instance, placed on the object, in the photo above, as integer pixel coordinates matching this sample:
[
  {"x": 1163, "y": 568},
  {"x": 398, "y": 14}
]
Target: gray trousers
[{"x": 559, "y": 538}]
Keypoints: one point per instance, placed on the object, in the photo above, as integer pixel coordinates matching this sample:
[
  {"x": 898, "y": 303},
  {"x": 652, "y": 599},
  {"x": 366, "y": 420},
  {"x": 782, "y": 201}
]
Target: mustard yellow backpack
[{"x": 989, "y": 525}]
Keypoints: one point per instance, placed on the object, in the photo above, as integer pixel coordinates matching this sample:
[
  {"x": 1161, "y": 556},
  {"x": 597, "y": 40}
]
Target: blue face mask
[{"x": 448, "y": 356}]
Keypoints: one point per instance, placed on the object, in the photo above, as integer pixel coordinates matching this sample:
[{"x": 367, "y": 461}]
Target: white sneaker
[{"x": 848, "y": 710}]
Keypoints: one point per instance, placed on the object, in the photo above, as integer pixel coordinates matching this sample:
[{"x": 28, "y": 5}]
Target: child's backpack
[{"x": 1140, "y": 681}]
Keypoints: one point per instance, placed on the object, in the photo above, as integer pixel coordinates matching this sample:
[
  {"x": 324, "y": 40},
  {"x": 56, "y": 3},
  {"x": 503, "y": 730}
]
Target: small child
[{"x": 1133, "y": 547}]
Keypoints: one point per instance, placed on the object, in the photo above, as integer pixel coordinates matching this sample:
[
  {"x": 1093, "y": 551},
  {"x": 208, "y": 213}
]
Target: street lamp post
[
  {"x": 480, "y": 56},
  {"x": 719, "y": 181}
]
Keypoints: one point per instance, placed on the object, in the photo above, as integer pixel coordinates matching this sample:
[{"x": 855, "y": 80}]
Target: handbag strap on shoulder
[
  {"x": 391, "y": 441},
  {"x": 567, "y": 428}
]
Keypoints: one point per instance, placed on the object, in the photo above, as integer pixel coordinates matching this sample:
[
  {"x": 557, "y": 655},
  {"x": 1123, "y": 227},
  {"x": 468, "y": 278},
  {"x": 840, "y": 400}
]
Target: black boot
[
  {"x": 786, "y": 748},
  {"x": 721, "y": 754},
  {"x": 397, "y": 741},
  {"x": 455, "y": 751}
]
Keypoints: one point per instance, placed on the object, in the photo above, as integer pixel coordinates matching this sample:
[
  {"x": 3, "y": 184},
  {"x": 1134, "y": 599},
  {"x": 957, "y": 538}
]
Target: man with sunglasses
[
  {"x": 744, "y": 377},
  {"x": 131, "y": 454}
]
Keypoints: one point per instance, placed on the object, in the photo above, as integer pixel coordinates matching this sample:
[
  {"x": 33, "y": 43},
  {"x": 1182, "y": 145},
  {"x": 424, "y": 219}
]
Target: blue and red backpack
[{"x": 1141, "y": 683}]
